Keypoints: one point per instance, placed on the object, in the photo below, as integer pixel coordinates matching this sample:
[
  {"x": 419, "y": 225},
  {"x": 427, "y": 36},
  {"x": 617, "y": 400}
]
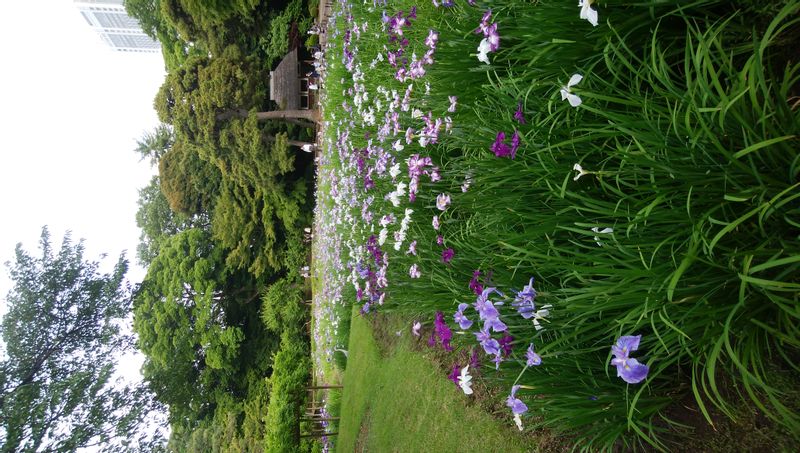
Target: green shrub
[{"x": 290, "y": 375}]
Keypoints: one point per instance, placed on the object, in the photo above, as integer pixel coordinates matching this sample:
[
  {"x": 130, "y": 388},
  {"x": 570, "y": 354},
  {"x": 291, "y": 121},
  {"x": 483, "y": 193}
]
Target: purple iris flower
[
  {"x": 493, "y": 37},
  {"x": 432, "y": 39},
  {"x": 453, "y": 103},
  {"x": 491, "y": 346},
  {"x": 505, "y": 344},
  {"x": 440, "y": 241},
  {"x": 516, "y": 405},
  {"x": 484, "y": 306},
  {"x": 362, "y": 270},
  {"x": 495, "y": 324},
  {"x": 630, "y": 370},
  {"x": 518, "y": 115},
  {"x": 533, "y": 359},
  {"x": 498, "y": 359},
  {"x": 462, "y": 320},
  {"x": 447, "y": 255},
  {"x": 482, "y": 336},
  {"x": 499, "y": 147},
  {"x": 524, "y": 302},
  {"x": 484, "y": 22}
]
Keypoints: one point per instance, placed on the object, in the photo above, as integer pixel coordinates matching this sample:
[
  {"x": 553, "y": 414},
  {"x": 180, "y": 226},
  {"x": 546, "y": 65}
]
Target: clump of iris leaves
[{"x": 687, "y": 137}]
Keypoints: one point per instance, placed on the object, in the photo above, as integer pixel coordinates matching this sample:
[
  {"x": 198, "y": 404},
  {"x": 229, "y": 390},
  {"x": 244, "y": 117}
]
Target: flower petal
[
  {"x": 633, "y": 372},
  {"x": 574, "y": 100},
  {"x": 625, "y": 344}
]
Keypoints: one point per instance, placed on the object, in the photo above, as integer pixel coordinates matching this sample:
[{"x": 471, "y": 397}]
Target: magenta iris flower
[
  {"x": 630, "y": 370},
  {"x": 474, "y": 285},
  {"x": 442, "y": 331},
  {"x": 499, "y": 147},
  {"x": 453, "y": 376},
  {"x": 505, "y": 344},
  {"x": 474, "y": 361},
  {"x": 518, "y": 115},
  {"x": 514, "y": 143},
  {"x": 447, "y": 255}
]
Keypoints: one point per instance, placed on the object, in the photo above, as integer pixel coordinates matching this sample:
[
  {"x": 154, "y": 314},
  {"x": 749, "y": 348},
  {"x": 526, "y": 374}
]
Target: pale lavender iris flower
[{"x": 630, "y": 370}]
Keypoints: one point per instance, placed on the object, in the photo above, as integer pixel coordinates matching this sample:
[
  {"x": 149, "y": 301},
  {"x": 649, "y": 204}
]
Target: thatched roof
[{"x": 284, "y": 83}]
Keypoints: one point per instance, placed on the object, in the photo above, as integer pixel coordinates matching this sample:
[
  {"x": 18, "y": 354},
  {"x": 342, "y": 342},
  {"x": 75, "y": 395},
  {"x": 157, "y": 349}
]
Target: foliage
[
  {"x": 687, "y": 136},
  {"x": 188, "y": 182},
  {"x": 291, "y": 366},
  {"x": 276, "y": 43},
  {"x": 190, "y": 325},
  {"x": 157, "y": 221},
  {"x": 282, "y": 306},
  {"x": 62, "y": 338},
  {"x": 153, "y": 145},
  {"x": 233, "y": 195}
]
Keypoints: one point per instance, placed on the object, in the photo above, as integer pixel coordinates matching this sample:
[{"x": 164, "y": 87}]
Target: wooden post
[
  {"x": 318, "y": 435},
  {"x": 319, "y": 419}
]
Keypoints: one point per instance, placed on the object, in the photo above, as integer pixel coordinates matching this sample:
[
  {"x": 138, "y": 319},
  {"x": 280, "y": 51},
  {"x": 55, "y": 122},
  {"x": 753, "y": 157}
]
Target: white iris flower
[
  {"x": 566, "y": 91},
  {"x": 587, "y": 13},
  {"x": 465, "y": 381}
]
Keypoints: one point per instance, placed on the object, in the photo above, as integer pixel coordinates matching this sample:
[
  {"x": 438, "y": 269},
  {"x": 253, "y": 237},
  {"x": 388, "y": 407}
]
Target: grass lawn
[{"x": 396, "y": 399}]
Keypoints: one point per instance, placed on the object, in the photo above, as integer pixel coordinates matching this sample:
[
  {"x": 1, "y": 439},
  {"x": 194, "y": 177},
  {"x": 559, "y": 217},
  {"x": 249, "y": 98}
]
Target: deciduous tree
[{"x": 62, "y": 336}]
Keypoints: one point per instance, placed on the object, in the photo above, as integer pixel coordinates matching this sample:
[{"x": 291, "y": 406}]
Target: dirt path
[{"x": 325, "y": 11}]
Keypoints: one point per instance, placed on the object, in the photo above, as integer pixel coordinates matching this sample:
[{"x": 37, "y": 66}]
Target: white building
[{"x": 120, "y": 31}]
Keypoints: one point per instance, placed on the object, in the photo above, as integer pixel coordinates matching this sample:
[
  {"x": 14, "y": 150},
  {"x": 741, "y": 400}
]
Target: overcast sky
[{"x": 71, "y": 109}]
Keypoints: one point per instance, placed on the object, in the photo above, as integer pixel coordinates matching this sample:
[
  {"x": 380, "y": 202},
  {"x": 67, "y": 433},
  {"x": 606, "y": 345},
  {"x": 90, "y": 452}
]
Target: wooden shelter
[{"x": 288, "y": 85}]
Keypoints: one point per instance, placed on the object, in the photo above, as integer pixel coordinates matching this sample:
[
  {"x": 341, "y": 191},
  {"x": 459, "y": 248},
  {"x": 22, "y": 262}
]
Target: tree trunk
[
  {"x": 280, "y": 115},
  {"x": 301, "y": 123},
  {"x": 286, "y": 114},
  {"x": 269, "y": 139}
]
